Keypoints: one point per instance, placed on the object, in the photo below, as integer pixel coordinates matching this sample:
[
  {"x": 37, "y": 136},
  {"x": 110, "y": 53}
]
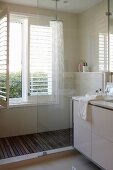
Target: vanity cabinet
[
  {"x": 94, "y": 137},
  {"x": 82, "y": 132},
  {"x": 102, "y": 137}
]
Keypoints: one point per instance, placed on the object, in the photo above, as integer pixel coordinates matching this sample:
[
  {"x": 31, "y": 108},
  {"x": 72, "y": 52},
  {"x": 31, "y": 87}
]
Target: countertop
[{"x": 106, "y": 103}]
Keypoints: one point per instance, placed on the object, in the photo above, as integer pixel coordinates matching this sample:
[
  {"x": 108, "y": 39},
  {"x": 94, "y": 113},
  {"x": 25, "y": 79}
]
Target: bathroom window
[
  {"x": 105, "y": 63},
  {"x": 111, "y": 52},
  {"x": 15, "y": 60},
  {"x": 30, "y": 63},
  {"x": 103, "y": 52}
]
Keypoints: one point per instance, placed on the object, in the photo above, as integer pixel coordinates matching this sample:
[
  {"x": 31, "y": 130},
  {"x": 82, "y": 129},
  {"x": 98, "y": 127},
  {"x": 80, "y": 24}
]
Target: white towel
[
  {"x": 83, "y": 104},
  {"x": 83, "y": 107}
]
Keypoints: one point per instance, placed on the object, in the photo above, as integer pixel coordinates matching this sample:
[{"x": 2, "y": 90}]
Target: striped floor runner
[{"x": 33, "y": 143}]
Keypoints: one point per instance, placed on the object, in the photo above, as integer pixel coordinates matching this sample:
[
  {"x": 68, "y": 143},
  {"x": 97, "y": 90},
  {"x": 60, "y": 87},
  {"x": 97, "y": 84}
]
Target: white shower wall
[{"x": 88, "y": 82}]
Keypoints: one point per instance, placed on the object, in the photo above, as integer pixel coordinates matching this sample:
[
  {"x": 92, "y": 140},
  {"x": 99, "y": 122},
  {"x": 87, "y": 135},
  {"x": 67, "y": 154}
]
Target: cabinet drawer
[
  {"x": 102, "y": 122},
  {"x": 102, "y": 152}
]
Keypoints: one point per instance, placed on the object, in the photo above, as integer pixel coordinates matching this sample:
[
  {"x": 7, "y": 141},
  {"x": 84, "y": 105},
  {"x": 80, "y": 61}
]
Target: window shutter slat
[
  {"x": 4, "y": 59},
  {"x": 40, "y": 60},
  {"x": 103, "y": 52}
]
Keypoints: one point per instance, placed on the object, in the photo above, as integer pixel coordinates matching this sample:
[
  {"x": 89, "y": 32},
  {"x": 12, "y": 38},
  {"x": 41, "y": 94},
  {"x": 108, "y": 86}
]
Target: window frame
[{"x": 26, "y": 98}]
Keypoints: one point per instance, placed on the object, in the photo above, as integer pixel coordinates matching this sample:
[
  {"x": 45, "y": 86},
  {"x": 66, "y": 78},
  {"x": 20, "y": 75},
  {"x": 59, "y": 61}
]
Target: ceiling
[{"x": 74, "y": 6}]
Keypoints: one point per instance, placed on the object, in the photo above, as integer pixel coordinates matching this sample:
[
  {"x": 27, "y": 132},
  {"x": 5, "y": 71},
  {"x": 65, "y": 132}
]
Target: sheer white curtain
[{"x": 58, "y": 59}]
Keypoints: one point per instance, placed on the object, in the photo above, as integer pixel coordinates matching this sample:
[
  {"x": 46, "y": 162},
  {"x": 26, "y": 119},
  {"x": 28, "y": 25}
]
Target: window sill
[
  {"x": 21, "y": 104},
  {"x": 18, "y": 102},
  {"x": 24, "y": 104},
  {"x": 28, "y": 104},
  {"x": 14, "y": 105},
  {"x": 17, "y": 105}
]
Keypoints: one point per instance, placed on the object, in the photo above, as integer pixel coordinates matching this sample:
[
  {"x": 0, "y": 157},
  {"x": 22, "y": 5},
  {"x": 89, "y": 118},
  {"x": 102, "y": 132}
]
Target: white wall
[
  {"x": 91, "y": 23},
  {"x": 18, "y": 121}
]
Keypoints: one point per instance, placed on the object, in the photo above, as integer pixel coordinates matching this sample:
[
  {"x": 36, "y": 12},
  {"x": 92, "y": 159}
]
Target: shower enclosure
[{"x": 37, "y": 86}]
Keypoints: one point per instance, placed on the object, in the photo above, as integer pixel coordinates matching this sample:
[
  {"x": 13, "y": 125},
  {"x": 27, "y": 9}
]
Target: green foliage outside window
[
  {"x": 39, "y": 82},
  {"x": 15, "y": 84}
]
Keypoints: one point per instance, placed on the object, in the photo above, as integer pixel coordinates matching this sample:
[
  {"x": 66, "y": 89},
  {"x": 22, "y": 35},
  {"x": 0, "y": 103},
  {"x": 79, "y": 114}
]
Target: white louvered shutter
[
  {"x": 40, "y": 60},
  {"x": 111, "y": 52},
  {"x": 4, "y": 59},
  {"x": 103, "y": 52}
]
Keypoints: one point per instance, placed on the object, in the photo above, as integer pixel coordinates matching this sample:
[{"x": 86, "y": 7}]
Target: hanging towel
[
  {"x": 83, "y": 107},
  {"x": 83, "y": 104}
]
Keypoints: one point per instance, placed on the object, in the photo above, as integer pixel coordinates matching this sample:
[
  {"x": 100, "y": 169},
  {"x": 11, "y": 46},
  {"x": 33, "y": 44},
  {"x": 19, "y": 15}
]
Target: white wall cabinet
[{"x": 94, "y": 137}]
